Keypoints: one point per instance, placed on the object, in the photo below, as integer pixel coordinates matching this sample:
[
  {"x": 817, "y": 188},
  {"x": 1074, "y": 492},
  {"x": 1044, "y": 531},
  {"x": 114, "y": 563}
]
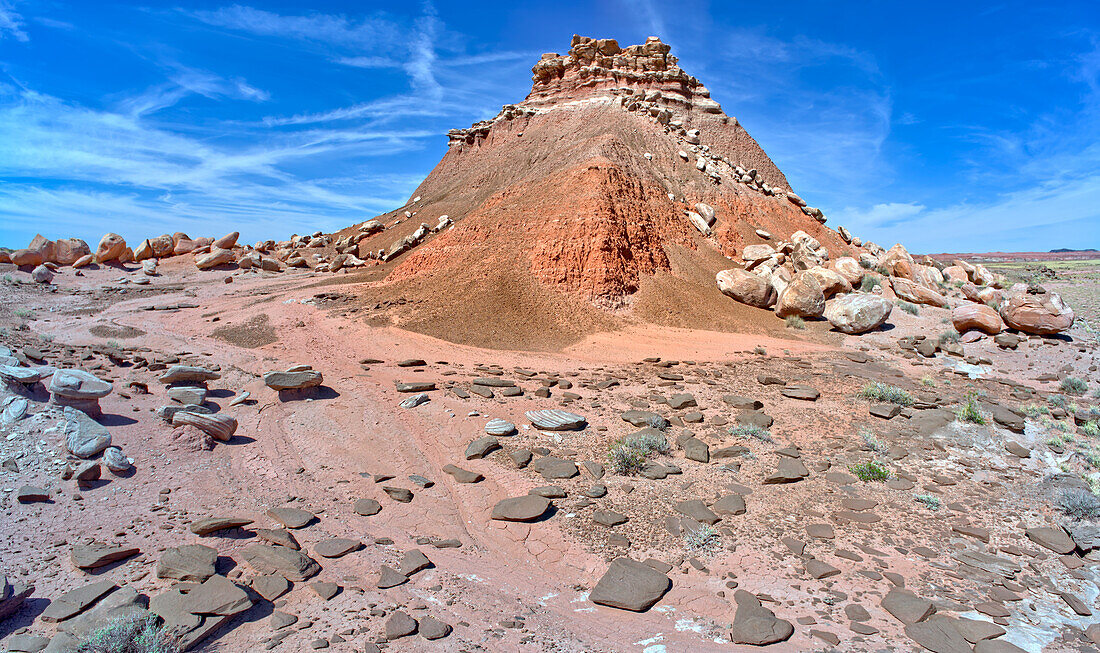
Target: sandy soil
[{"x": 517, "y": 586}]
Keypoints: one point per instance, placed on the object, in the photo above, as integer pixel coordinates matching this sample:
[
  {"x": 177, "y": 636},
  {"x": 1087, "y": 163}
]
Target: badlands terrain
[{"x": 604, "y": 383}]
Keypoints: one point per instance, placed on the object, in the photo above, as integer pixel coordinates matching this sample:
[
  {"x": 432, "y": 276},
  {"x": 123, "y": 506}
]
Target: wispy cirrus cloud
[
  {"x": 366, "y": 34},
  {"x": 11, "y": 23}
]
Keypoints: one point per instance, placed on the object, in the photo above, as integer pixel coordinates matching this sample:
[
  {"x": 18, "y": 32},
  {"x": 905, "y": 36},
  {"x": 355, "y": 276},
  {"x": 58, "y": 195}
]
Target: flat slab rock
[
  {"x": 525, "y": 508},
  {"x": 75, "y": 601},
  {"x": 78, "y": 384},
  {"x": 630, "y": 585},
  {"x": 415, "y": 386},
  {"x": 336, "y": 547},
  {"x": 288, "y": 563},
  {"x": 291, "y": 517},
  {"x": 1054, "y": 538},
  {"x": 553, "y": 419},
  {"x": 93, "y": 556},
  {"x": 293, "y": 380},
  {"x": 804, "y": 392},
  {"x": 210, "y": 525},
  {"x": 190, "y": 562}
]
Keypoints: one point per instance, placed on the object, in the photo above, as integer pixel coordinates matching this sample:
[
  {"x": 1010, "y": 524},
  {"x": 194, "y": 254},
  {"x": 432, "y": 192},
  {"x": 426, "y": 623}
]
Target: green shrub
[
  {"x": 1058, "y": 401},
  {"x": 868, "y": 283},
  {"x": 1073, "y": 386},
  {"x": 130, "y": 635},
  {"x": 21, "y": 312},
  {"x": 909, "y": 307},
  {"x": 928, "y": 382},
  {"x": 888, "y": 393},
  {"x": 929, "y": 501},
  {"x": 751, "y": 431},
  {"x": 950, "y": 335},
  {"x": 1092, "y": 458},
  {"x": 865, "y": 264},
  {"x": 1091, "y": 429},
  {"x": 970, "y": 412},
  {"x": 795, "y": 322},
  {"x": 870, "y": 471}
]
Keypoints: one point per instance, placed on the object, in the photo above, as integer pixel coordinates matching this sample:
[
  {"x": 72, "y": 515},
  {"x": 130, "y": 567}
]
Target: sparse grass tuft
[
  {"x": 872, "y": 442},
  {"x": 751, "y": 431},
  {"x": 795, "y": 322},
  {"x": 870, "y": 471},
  {"x": 21, "y": 312},
  {"x": 1092, "y": 457},
  {"x": 928, "y": 382},
  {"x": 130, "y": 635},
  {"x": 909, "y": 307},
  {"x": 888, "y": 393},
  {"x": 950, "y": 335},
  {"x": 658, "y": 422},
  {"x": 929, "y": 501},
  {"x": 970, "y": 412},
  {"x": 1058, "y": 401},
  {"x": 704, "y": 539},
  {"x": 628, "y": 455},
  {"x": 1073, "y": 386},
  {"x": 1035, "y": 410},
  {"x": 1091, "y": 429}
]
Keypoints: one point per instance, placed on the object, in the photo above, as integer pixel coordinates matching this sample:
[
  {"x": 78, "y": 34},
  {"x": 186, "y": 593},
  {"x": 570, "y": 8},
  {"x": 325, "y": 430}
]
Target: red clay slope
[{"x": 567, "y": 195}]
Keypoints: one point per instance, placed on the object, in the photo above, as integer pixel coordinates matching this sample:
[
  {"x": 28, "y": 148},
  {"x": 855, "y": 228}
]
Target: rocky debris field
[{"x": 354, "y": 488}]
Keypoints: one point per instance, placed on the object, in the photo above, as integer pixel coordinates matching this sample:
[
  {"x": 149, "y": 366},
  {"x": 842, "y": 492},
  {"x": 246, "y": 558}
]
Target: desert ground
[{"x": 630, "y": 395}]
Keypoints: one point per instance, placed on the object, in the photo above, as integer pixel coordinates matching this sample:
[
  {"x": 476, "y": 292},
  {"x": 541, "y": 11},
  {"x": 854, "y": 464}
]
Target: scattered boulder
[
  {"x": 913, "y": 292},
  {"x": 969, "y": 316},
  {"x": 756, "y": 625},
  {"x": 528, "y": 507}
]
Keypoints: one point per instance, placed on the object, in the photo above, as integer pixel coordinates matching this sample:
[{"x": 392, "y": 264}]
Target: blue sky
[{"x": 944, "y": 126}]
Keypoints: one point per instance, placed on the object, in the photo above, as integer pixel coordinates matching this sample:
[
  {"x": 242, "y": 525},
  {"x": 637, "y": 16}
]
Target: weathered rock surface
[
  {"x": 857, "y": 313},
  {"x": 1041, "y": 313},
  {"x": 630, "y": 585},
  {"x": 746, "y": 287}
]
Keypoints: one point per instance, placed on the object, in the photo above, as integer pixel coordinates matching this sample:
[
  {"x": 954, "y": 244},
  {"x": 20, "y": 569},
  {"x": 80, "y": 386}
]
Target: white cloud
[
  {"x": 367, "y": 34},
  {"x": 11, "y": 23},
  {"x": 126, "y": 169},
  {"x": 1039, "y": 218}
]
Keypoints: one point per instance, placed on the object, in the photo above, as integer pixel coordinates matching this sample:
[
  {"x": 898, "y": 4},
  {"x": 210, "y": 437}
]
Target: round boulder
[
  {"x": 111, "y": 246},
  {"x": 858, "y": 313},
  {"x": 746, "y": 287},
  {"x": 1037, "y": 311},
  {"x": 802, "y": 297}
]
